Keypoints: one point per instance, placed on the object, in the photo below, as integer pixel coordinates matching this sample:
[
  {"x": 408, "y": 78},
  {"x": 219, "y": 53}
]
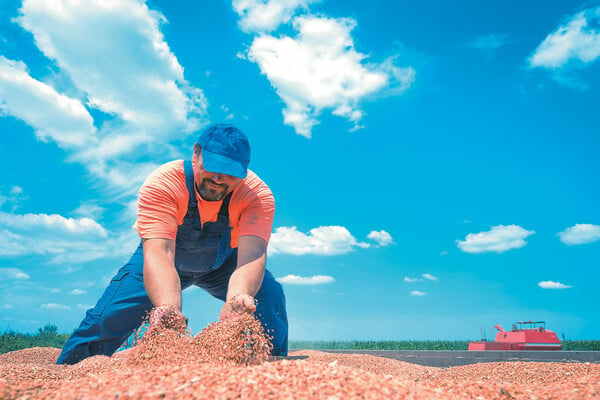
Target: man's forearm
[
  {"x": 160, "y": 277},
  {"x": 247, "y": 278},
  {"x": 250, "y": 271},
  {"x": 162, "y": 285}
]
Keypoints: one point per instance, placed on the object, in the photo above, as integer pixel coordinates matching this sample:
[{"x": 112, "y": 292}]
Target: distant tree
[
  {"x": 47, "y": 336},
  {"x": 48, "y": 330}
]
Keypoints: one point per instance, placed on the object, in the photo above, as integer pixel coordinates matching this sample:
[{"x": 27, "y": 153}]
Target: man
[{"x": 206, "y": 223}]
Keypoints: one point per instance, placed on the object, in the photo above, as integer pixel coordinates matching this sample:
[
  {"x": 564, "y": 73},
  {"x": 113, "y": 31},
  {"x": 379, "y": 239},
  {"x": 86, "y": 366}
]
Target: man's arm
[
  {"x": 247, "y": 278},
  {"x": 160, "y": 277}
]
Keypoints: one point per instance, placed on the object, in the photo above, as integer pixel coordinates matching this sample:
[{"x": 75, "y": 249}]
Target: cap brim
[{"x": 217, "y": 163}]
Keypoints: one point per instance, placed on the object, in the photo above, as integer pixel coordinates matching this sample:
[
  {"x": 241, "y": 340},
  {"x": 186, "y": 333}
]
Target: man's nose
[{"x": 218, "y": 178}]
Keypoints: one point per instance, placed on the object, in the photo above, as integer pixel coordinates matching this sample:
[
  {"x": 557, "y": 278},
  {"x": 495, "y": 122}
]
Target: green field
[
  {"x": 48, "y": 336},
  {"x": 571, "y": 345},
  {"x": 380, "y": 345}
]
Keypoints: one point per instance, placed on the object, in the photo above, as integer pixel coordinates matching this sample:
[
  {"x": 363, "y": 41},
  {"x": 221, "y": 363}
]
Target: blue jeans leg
[
  {"x": 119, "y": 311},
  {"x": 270, "y": 310}
]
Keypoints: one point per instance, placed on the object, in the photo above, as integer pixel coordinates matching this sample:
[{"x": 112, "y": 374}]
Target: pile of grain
[
  {"x": 227, "y": 360},
  {"x": 239, "y": 341},
  {"x": 321, "y": 376}
]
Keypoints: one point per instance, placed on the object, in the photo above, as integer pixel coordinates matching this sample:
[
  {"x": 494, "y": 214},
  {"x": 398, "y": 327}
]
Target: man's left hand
[
  {"x": 238, "y": 305},
  {"x": 168, "y": 317}
]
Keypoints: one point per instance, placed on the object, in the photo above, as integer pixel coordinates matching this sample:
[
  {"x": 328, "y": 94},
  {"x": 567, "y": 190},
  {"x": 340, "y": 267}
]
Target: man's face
[{"x": 212, "y": 186}]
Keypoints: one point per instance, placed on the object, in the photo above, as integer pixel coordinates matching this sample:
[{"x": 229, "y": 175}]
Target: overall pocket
[{"x": 109, "y": 293}]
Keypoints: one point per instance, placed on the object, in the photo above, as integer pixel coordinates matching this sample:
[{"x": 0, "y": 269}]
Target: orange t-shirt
[{"x": 163, "y": 201}]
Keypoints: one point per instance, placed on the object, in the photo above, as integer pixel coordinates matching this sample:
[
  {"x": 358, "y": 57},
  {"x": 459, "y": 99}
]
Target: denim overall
[{"x": 203, "y": 257}]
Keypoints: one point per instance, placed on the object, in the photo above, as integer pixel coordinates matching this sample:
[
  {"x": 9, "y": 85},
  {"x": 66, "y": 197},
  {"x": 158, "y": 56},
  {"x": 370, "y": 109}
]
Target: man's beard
[{"x": 211, "y": 193}]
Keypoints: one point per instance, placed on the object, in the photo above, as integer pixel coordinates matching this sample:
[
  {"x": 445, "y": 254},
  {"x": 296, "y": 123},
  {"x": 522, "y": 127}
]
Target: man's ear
[{"x": 197, "y": 152}]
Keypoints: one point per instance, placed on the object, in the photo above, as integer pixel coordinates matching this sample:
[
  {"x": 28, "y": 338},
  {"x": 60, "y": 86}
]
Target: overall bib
[{"x": 203, "y": 257}]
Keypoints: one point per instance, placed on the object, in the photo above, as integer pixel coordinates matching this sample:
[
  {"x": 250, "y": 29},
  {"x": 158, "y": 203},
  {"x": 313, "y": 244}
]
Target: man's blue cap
[{"x": 225, "y": 150}]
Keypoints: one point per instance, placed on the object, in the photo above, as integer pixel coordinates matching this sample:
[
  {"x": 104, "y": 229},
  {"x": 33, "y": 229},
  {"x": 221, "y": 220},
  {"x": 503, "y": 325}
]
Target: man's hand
[
  {"x": 238, "y": 305},
  {"x": 167, "y": 317}
]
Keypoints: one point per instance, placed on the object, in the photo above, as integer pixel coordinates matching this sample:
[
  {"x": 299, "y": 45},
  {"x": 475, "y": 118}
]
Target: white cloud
[
  {"x": 55, "y": 306},
  {"x": 84, "y": 306},
  {"x": 320, "y": 69},
  {"x": 381, "y": 237},
  {"x": 54, "y": 116},
  {"x": 429, "y": 277},
  {"x": 16, "y": 190},
  {"x": 130, "y": 72},
  {"x": 499, "y": 239},
  {"x": 53, "y": 224},
  {"x": 489, "y": 42},
  {"x": 324, "y": 240},
  {"x": 425, "y": 276},
  {"x": 577, "y": 39},
  {"x": 266, "y": 15},
  {"x": 13, "y": 273},
  {"x": 310, "y": 280},
  {"x": 62, "y": 240},
  {"x": 580, "y": 234},
  {"x": 78, "y": 291},
  {"x": 417, "y": 293},
  {"x": 89, "y": 209},
  {"x": 229, "y": 115},
  {"x": 443, "y": 253},
  {"x": 552, "y": 285},
  {"x": 130, "y": 75},
  {"x": 15, "y": 196},
  {"x": 7, "y": 306},
  {"x": 55, "y": 290},
  {"x": 125, "y": 177}
]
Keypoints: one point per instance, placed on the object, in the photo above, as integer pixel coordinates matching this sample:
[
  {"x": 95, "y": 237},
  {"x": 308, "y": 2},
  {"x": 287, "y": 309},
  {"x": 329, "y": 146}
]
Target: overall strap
[
  {"x": 224, "y": 211},
  {"x": 192, "y": 214},
  {"x": 189, "y": 181}
]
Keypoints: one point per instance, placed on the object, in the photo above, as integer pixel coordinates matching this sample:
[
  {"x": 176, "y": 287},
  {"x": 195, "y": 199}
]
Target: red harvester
[{"x": 528, "y": 335}]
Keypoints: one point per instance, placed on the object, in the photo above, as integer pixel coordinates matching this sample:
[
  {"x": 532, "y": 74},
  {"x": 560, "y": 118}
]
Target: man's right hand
[
  {"x": 167, "y": 317},
  {"x": 238, "y": 305}
]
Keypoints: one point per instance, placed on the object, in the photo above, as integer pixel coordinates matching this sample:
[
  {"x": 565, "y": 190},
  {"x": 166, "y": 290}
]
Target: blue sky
[{"x": 434, "y": 165}]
